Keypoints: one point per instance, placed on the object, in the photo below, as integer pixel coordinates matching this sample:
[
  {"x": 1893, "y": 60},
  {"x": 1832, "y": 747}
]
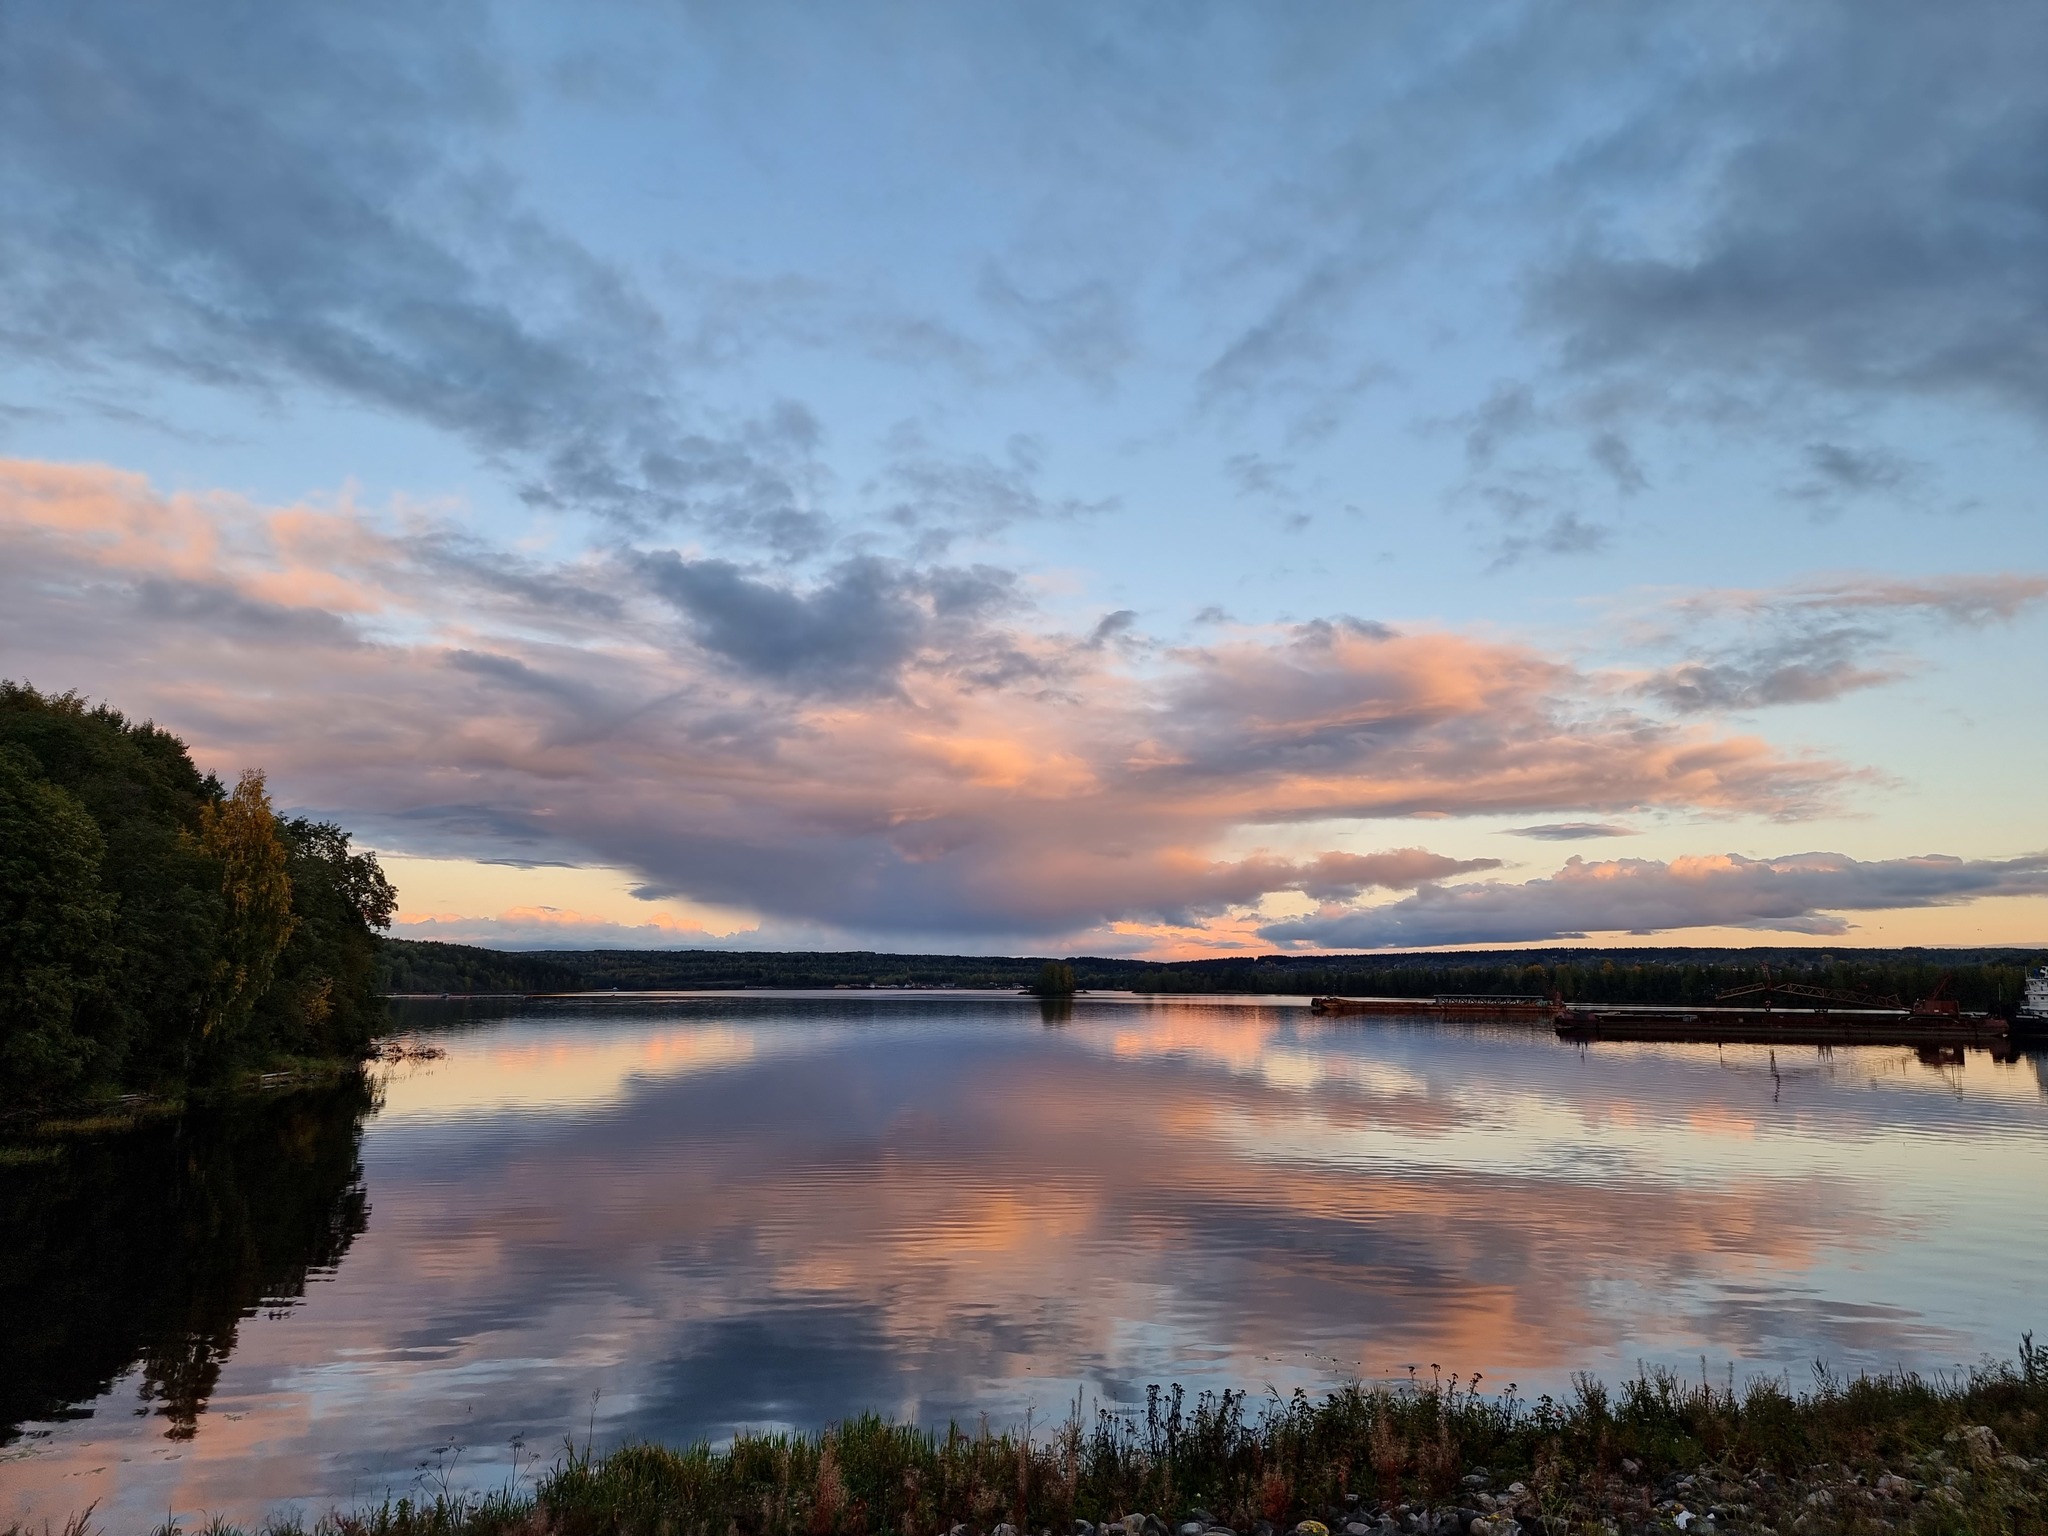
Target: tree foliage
[{"x": 157, "y": 928}]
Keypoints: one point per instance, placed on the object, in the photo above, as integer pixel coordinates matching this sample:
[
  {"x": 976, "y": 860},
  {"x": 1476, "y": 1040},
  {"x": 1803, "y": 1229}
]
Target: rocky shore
[{"x": 1969, "y": 1483}]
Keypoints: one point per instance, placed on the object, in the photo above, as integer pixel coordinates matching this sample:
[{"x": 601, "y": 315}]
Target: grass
[{"x": 1873, "y": 1453}]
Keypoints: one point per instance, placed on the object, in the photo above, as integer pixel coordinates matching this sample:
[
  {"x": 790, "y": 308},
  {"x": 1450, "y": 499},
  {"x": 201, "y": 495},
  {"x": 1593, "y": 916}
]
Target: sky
[{"x": 1041, "y": 478}]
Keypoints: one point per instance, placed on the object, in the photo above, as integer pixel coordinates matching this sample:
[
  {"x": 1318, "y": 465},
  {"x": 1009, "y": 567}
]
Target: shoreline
[{"x": 1431, "y": 1457}]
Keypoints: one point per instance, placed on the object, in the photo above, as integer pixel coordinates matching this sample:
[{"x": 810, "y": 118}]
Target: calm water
[{"x": 675, "y": 1219}]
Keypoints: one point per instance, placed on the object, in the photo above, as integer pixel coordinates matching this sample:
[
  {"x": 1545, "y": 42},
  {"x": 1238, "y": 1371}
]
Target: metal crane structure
[{"x": 1768, "y": 989}]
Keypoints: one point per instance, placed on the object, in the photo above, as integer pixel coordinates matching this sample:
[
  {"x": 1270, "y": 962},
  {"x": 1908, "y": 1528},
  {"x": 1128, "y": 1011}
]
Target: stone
[
  {"x": 1978, "y": 1443},
  {"x": 2015, "y": 1463},
  {"x": 1518, "y": 1489},
  {"x": 1311, "y": 1528},
  {"x": 1193, "y": 1527},
  {"x": 1478, "y": 1479},
  {"x": 1357, "y": 1528},
  {"x": 1084, "y": 1528},
  {"x": 1004, "y": 1529}
]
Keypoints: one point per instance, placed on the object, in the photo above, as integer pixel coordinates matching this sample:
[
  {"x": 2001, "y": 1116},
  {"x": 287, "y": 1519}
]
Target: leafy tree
[
  {"x": 57, "y": 921},
  {"x": 240, "y": 834},
  {"x": 156, "y": 928},
  {"x": 1055, "y": 979},
  {"x": 324, "y": 1000}
]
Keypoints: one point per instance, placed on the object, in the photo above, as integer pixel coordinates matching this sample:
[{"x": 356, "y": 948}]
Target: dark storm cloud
[
  {"x": 1796, "y": 894},
  {"x": 261, "y": 197}
]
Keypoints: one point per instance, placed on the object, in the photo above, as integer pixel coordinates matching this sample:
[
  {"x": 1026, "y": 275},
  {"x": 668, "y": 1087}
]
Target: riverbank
[
  {"x": 1435, "y": 1457},
  {"x": 29, "y": 1135}
]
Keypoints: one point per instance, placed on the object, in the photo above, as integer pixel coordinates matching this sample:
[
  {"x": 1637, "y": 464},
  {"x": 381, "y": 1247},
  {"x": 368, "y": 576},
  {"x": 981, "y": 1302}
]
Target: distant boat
[{"x": 2031, "y": 1022}]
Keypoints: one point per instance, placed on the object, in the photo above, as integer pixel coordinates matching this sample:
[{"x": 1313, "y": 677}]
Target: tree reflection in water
[{"x": 151, "y": 1245}]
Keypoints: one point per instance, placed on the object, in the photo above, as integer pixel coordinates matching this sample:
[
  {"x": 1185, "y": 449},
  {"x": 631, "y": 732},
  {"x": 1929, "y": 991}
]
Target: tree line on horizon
[
  {"x": 1989, "y": 978},
  {"x": 158, "y": 929}
]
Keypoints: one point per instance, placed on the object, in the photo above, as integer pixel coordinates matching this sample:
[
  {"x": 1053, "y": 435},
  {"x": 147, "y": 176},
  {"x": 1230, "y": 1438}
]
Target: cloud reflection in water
[{"x": 724, "y": 1213}]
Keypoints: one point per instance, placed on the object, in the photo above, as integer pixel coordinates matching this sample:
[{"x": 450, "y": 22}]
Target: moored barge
[
  {"x": 1445, "y": 1005},
  {"x": 1783, "y": 1026}
]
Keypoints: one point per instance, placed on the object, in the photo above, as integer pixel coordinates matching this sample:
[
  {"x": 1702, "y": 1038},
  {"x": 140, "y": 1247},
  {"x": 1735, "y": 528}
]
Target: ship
[{"x": 2030, "y": 1022}]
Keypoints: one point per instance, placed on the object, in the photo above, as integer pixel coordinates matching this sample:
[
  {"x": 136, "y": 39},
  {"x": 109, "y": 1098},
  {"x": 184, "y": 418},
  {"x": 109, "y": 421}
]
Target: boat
[
  {"x": 2030, "y": 1022},
  {"x": 1444, "y": 1005}
]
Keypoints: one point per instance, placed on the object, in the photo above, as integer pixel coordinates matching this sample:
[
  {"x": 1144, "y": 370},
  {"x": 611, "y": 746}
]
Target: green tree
[
  {"x": 146, "y": 797},
  {"x": 240, "y": 834},
  {"x": 324, "y": 1000},
  {"x": 55, "y": 921},
  {"x": 1055, "y": 979}
]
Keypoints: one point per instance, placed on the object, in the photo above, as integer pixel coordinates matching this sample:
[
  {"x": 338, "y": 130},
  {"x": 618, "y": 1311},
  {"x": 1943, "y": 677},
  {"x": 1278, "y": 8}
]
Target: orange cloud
[{"x": 978, "y": 777}]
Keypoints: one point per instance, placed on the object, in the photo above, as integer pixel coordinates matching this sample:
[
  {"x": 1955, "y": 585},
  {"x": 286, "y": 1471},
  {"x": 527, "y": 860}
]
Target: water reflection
[
  {"x": 730, "y": 1212},
  {"x": 150, "y": 1247}
]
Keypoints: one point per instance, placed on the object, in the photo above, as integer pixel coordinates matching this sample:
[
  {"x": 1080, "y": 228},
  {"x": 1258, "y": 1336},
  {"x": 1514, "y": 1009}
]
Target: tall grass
[{"x": 1412, "y": 1444}]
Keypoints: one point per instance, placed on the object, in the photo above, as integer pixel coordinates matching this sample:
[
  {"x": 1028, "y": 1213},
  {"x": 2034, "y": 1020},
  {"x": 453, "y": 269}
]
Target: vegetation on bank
[
  {"x": 159, "y": 930},
  {"x": 1980, "y": 978},
  {"x": 1438, "y": 1458}
]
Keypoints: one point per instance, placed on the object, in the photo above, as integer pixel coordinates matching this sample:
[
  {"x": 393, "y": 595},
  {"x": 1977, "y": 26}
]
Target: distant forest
[
  {"x": 158, "y": 929},
  {"x": 1982, "y": 978}
]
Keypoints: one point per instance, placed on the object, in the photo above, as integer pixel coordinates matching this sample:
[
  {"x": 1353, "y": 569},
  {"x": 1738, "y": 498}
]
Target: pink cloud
[{"x": 953, "y": 769}]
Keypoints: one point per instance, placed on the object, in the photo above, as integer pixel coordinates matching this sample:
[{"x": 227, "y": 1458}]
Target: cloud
[
  {"x": 1865, "y": 215},
  {"x": 943, "y": 495},
  {"x": 851, "y": 634},
  {"x": 1572, "y": 831},
  {"x": 165, "y": 215},
  {"x": 1841, "y": 468},
  {"x": 1084, "y": 327},
  {"x": 1799, "y": 893},
  {"x": 1817, "y": 642},
  {"x": 891, "y": 749}
]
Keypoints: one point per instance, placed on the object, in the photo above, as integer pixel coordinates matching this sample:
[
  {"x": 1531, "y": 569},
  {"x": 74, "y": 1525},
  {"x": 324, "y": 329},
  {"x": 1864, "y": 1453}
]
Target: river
[{"x": 682, "y": 1217}]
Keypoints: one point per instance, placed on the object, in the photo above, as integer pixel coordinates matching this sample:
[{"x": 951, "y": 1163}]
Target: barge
[
  {"x": 1445, "y": 1005},
  {"x": 1818, "y": 1016},
  {"x": 1783, "y": 1026}
]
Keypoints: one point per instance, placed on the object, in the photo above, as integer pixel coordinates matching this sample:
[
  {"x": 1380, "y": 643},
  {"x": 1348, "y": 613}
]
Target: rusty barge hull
[{"x": 1783, "y": 1026}]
